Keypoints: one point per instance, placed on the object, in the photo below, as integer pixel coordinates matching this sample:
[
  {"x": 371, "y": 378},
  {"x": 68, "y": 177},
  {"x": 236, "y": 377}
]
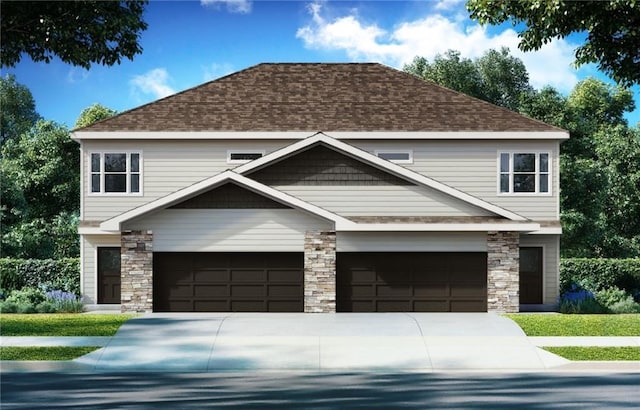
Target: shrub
[
  {"x": 26, "y": 308},
  {"x": 64, "y": 302},
  {"x": 48, "y": 274},
  {"x": 46, "y": 307},
  {"x": 26, "y": 296},
  {"x": 8, "y": 307},
  {"x": 578, "y": 301},
  {"x": 600, "y": 274}
]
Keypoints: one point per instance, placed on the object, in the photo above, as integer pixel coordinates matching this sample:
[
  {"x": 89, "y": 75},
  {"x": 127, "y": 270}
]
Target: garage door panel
[
  {"x": 210, "y": 306},
  {"x": 393, "y": 306},
  {"x": 284, "y": 290},
  {"x": 473, "y": 290},
  {"x": 432, "y": 290},
  {"x": 468, "y": 306},
  {"x": 248, "y": 291},
  {"x": 394, "y": 290},
  {"x": 412, "y": 281},
  {"x": 238, "y": 275},
  {"x": 211, "y": 291},
  {"x": 222, "y": 282},
  {"x": 431, "y": 306},
  {"x": 182, "y": 290},
  {"x": 211, "y": 275}
]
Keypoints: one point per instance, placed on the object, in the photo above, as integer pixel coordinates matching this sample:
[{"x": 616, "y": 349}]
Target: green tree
[
  {"x": 92, "y": 114},
  {"x": 17, "y": 108},
  {"x": 451, "y": 71},
  {"x": 496, "y": 77},
  {"x": 78, "y": 32},
  {"x": 44, "y": 164},
  {"x": 611, "y": 28},
  {"x": 505, "y": 79}
]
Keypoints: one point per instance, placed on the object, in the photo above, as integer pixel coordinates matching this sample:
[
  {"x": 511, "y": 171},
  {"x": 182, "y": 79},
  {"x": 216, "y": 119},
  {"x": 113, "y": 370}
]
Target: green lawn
[
  {"x": 596, "y": 353},
  {"x": 67, "y": 324},
  {"x": 45, "y": 353},
  {"x": 578, "y": 325}
]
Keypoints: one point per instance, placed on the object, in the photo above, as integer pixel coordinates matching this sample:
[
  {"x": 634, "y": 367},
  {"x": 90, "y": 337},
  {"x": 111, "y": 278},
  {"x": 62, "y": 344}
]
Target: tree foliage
[
  {"x": 600, "y": 163},
  {"x": 92, "y": 114},
  {"x": 612, "y": 29},
  {"x": 496, "y": 77},
  {"x": 79, "y": 32},
  {"x": 17, "y": 108}
]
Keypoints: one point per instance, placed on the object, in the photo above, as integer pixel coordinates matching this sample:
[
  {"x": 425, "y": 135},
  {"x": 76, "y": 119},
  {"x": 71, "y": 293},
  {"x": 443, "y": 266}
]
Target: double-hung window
[
  {"x": 115, "y": 173},
  {"x": 524, "y": 172},
  {"x": 397, "y": 156}
]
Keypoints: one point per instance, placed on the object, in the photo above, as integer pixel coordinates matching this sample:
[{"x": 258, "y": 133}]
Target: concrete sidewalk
[{"x": 423, "y": 342}]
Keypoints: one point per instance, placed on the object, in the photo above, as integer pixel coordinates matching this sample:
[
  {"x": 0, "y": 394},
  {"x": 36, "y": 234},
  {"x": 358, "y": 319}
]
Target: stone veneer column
[
  {"x": 136, "y": 270},
  {"x": 319, "y": 271},
  {"x": 503, "y": 272}
]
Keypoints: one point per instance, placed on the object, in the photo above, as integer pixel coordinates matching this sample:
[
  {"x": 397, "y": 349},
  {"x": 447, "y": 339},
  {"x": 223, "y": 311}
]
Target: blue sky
[{"x": 190, "y": 42}]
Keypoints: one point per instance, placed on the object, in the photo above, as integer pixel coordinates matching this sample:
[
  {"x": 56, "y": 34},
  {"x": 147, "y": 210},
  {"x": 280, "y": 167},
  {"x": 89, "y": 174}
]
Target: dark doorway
[
  {"x": 530, "y": 275},
  {"x": 109, "y": 275}
]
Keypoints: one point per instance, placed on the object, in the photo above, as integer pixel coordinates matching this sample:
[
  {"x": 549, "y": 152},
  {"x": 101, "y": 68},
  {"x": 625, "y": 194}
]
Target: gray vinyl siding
[
  {"x": 229, "y": 230},
  {"x": 411, "y": 242},
  {"x": 89, "y": 267},
  {"x": 167, "y": 167},
  {"x": 383, "y": 201},
  {"x": 472, "y": 167},
  {"x": 551, "y": 254}
]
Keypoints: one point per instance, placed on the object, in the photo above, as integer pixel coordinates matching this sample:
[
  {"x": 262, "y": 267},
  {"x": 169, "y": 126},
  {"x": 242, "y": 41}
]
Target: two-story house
[{"x": 320, "y": 188}]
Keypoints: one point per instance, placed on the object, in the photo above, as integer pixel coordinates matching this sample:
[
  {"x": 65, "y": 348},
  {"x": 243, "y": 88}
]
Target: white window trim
[
  {"x": 396, "y": 151},
  {"x": 102, "y": 173},
  {"x": 537, "y": 173},
  {"x": 242, "y": 151}
]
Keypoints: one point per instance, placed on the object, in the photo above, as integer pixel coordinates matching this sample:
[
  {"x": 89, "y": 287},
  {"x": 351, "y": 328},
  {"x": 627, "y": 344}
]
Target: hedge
[
  {"x": 601, "y": 273},
  {"x": 51, "y": 274}
]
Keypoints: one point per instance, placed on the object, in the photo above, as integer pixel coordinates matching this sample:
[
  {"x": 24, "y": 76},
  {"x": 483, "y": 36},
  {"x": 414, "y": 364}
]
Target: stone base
[{"x": 136, "y": 267}]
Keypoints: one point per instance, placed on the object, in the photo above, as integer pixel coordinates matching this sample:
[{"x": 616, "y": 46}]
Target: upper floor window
[
  {"x": 397, "y": 156},
  {"x": 115, "y": 172},
  {"x": 241, "y": 157},
  {"x": 525, "y": 172}
]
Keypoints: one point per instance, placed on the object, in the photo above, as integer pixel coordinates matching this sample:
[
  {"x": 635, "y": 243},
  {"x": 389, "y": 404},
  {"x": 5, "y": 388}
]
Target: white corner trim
[
  {"x": 114, "y": 224},
  {"x": 295, "y": 135},
  {"x": 438, "y": 227},
  {"x": 382, "y": 164}
]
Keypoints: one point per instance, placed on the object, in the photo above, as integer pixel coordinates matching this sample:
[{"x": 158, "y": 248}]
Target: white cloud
[
  {"x": 431, "y": 35},
  {"x": 233, "y": 6},
  {"x": 215, "y": 70},
  {"x": 448, "y": 4},
  {"x": 77, "y": 75},
  {"x": 154, "y": 82}
]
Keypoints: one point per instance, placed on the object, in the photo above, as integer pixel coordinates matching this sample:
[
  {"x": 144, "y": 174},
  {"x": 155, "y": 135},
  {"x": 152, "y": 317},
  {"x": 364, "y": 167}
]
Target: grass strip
[
  {"x": 596, "y": 353},
  {"x": 65, "y": 324},
  {"x": 45, "y": 353},
  {"x": 578, "y": 325}
]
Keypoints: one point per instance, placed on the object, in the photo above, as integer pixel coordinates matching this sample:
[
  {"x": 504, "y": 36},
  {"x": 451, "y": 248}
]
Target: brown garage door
[
  {"x": 227, "y": 282},
  {"x": 411, "y": 282}
]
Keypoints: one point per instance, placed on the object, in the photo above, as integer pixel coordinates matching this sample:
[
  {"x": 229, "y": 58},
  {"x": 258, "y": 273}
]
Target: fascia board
[
  {"x": 439, "y": 227},
  {"x": 297, "y": 135}
]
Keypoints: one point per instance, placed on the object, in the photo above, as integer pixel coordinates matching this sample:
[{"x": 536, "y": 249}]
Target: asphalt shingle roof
[{"x": 319, "y": 97}]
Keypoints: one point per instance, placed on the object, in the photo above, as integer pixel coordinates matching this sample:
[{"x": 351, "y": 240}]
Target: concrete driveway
[{"x": 320, "y": 342}]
